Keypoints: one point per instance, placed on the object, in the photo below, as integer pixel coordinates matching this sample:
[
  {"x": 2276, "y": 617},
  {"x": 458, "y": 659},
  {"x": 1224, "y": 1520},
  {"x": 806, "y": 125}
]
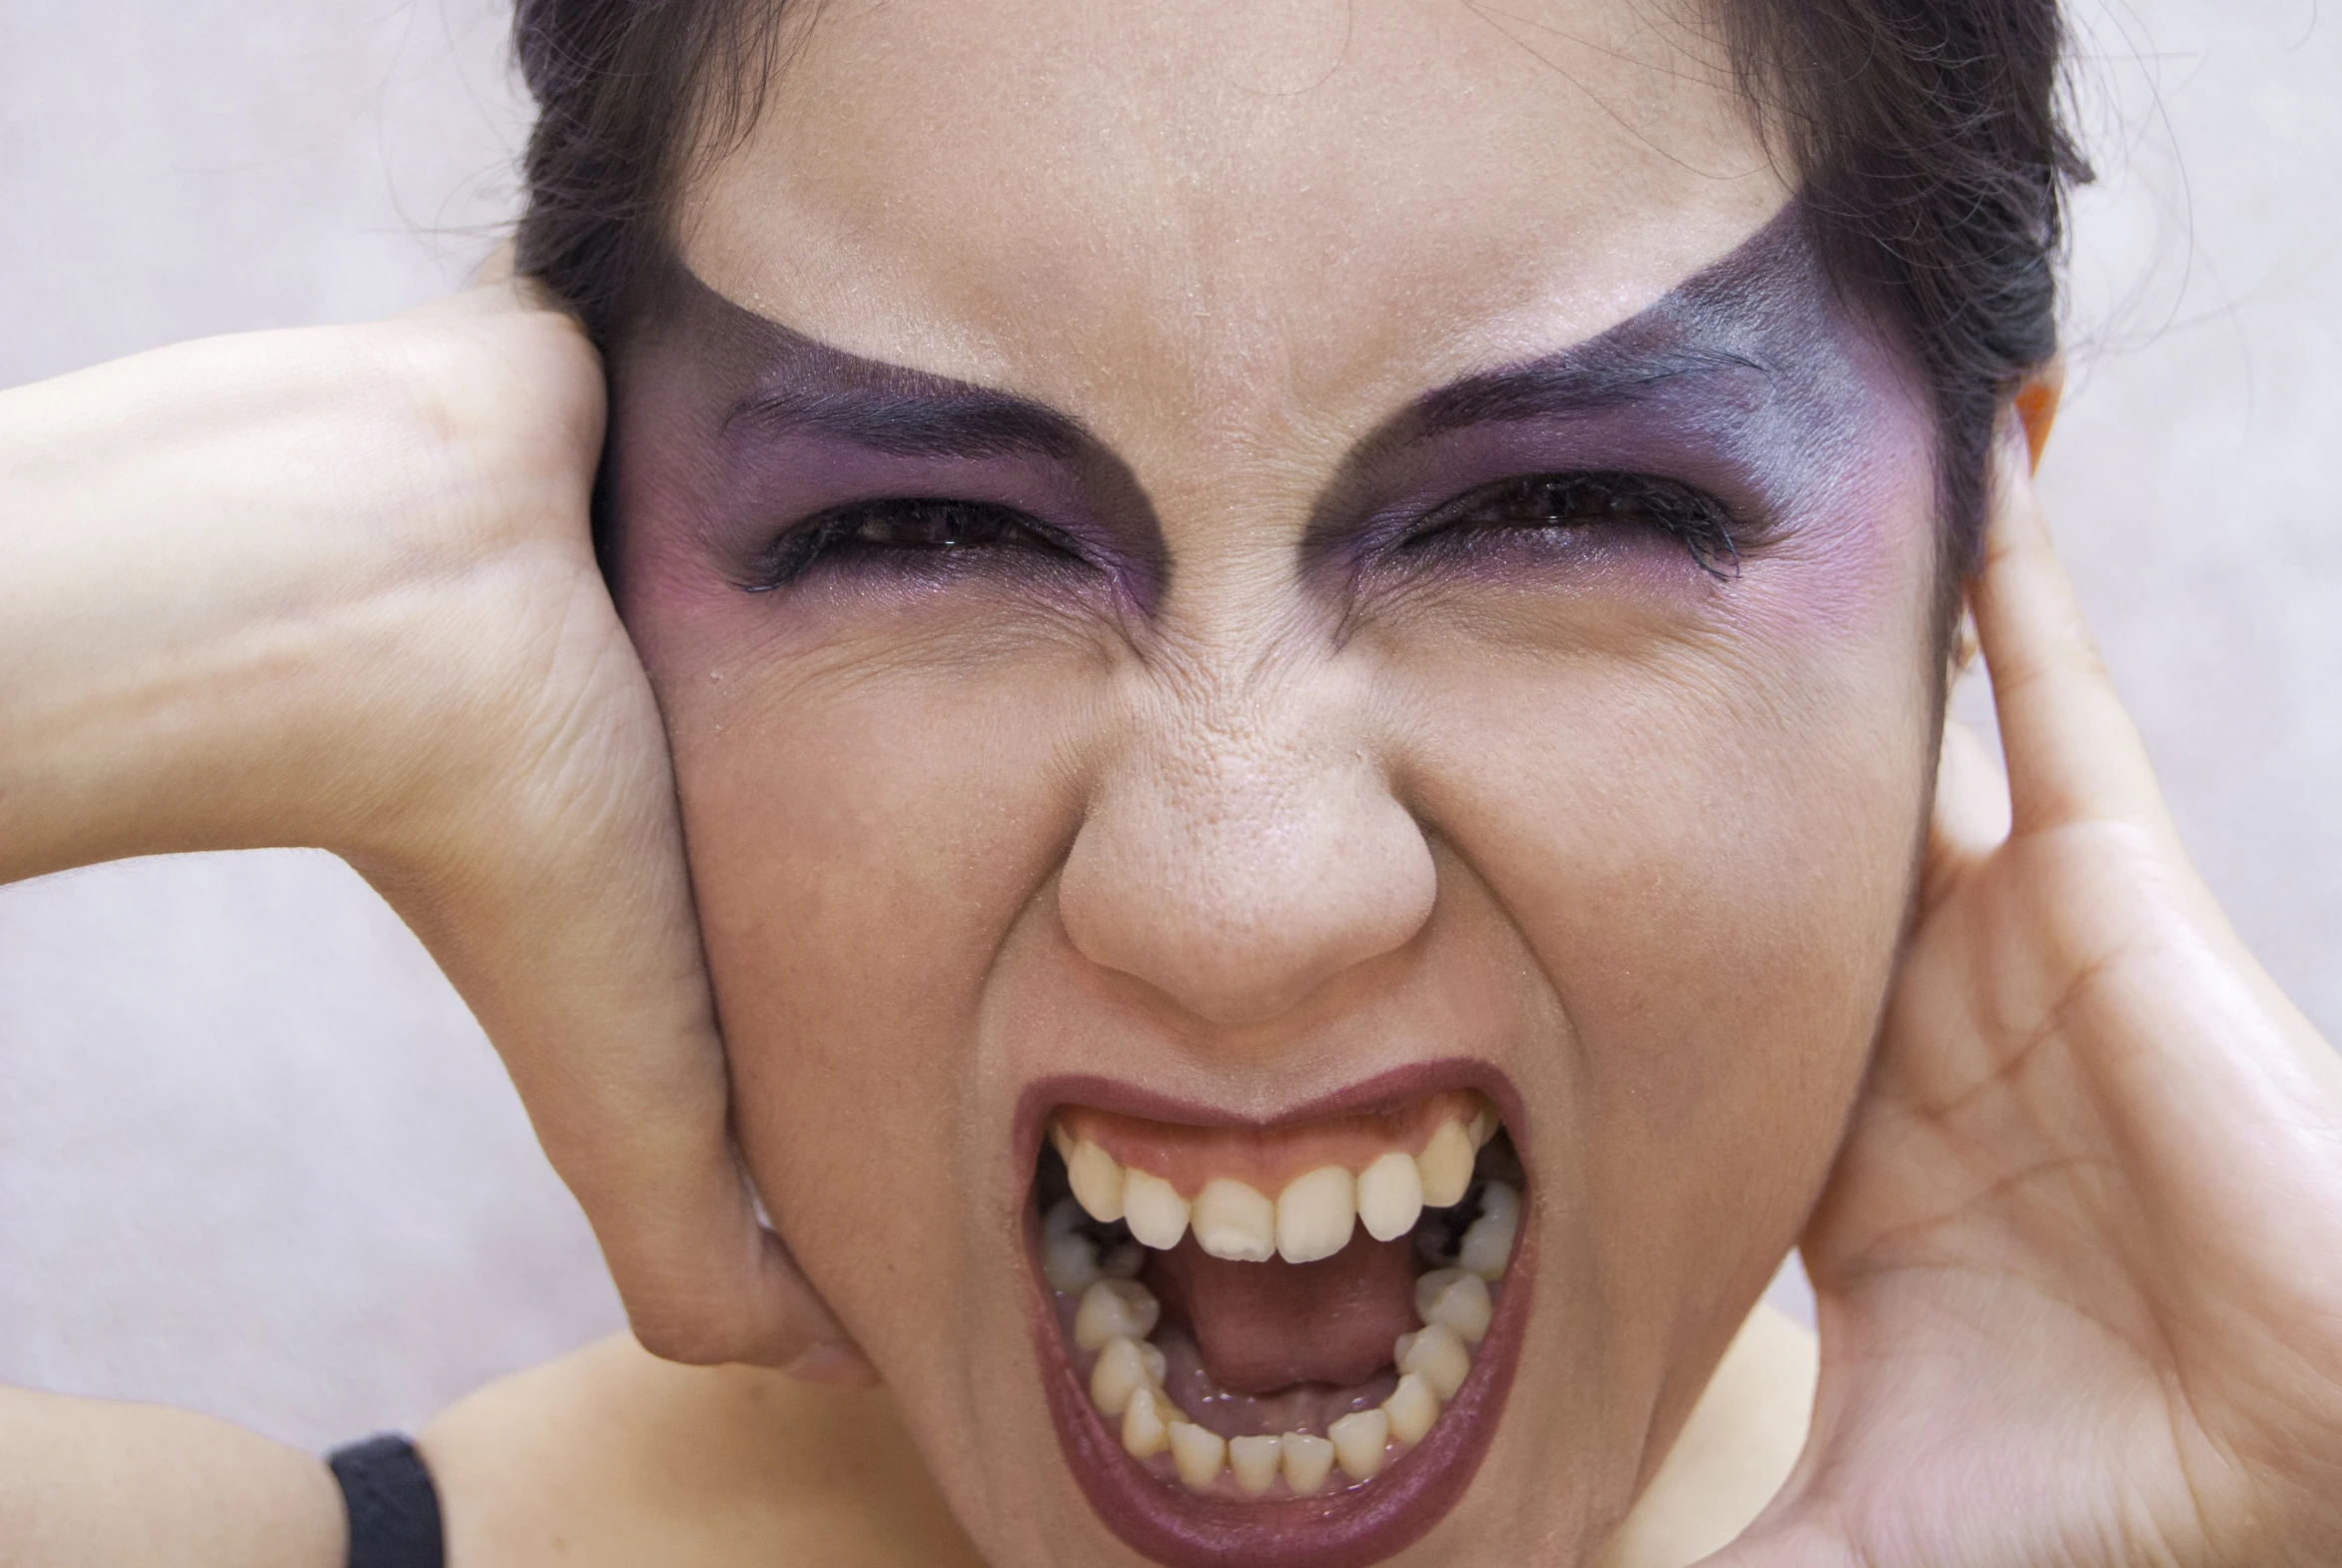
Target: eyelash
[
  {"x": 1700, "y": 524},
  {"x": 936, "y": 528}
]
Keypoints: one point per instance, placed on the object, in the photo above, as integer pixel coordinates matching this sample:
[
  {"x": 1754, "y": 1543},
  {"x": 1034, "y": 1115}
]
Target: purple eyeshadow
[{"x": 1751, "y": 382}]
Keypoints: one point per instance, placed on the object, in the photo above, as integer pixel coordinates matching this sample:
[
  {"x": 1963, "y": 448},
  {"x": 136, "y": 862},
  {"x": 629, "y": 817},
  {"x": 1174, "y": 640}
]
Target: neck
[{"x": 1739, "y": 1446}]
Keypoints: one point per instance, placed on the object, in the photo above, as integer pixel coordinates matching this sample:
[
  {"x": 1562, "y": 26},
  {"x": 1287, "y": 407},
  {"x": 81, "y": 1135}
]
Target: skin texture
[
  {"x": 1232, "y": 794},
  {"x": 2094, "y": 1185},
  {"x": 1260, "y": 803},
  {"x": 94, "y": 1482}
]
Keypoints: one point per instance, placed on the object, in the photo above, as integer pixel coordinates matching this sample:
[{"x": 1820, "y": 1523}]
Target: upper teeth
[
  {"x": 1390, "y": 1197},
  {"x": 1315, "y": 1215},
  {"x": 1445, "y": 1164},
  {"x": 1156, "y": 1214},
  {"x": 1312, "y": 1218},
  {"x": 1233, "y": 1220},
  {"x": 1098, "y": 1180}
]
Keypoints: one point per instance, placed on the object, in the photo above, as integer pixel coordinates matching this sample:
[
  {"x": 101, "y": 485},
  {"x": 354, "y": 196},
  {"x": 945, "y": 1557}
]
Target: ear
[{"x": 2036, "y": 403}]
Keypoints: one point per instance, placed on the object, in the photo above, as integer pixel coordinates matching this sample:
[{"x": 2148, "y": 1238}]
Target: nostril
[{"x": 1239, "y": 901}]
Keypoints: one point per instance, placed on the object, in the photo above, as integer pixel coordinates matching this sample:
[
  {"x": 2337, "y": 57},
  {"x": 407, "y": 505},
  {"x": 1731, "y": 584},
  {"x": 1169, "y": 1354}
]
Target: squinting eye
[
  {"x": 929, "y": 525},
  {"x": 1555, "y": 502},
  {"x": 900, "y": 530},
  {"x": 1558, "y": 502}
]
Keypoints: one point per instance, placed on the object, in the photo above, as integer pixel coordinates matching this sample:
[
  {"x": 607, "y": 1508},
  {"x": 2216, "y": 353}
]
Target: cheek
[
  {"x": 868, "y": 816},
  {"x": 1705, "y": 848}
]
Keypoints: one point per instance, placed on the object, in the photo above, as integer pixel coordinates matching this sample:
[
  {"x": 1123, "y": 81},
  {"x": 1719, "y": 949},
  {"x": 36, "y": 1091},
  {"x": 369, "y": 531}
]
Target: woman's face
[{"x": 1242, "y": 591}]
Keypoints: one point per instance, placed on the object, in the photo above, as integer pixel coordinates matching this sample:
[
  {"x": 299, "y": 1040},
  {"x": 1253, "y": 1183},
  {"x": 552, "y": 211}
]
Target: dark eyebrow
[
  {"x": 772, "y": 382},
  {"x": 1702, "y": 334},
  {"x": 1651, "y": 357},
  {"x": 1725, "y": 323},
  {"x": 1703, "y": 331},
  {"x": 1719, "y": 348},
  {"x": 1591, "y": 378},
  {"x": 908, "y": 415},
  {"x": 1723, "y": 349}
]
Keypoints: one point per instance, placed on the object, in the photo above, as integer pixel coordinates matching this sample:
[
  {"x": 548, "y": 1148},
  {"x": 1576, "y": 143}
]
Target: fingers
[
  {"x": 2073, "y": 753},
  {"x": 543, "y": 861},
  {"x": 1972, "y": 809}
]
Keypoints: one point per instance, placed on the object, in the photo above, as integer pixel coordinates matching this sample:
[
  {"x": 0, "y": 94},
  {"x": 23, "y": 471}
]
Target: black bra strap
[{"x": 393, "y": 1508}]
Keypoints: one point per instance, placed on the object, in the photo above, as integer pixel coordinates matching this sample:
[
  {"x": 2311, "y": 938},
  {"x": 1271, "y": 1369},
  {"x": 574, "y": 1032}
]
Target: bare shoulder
[{"x": 613, "y": 1456}]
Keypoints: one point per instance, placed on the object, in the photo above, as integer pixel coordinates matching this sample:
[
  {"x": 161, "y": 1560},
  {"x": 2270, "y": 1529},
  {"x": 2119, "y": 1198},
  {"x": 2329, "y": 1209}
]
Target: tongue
[{"x": 1265, "y": 1326}]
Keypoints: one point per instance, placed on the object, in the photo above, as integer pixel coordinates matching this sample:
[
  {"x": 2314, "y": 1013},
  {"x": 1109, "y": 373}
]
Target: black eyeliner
[
  {"x": 1705, "y": 527},
  {"x": 827, "y": 539}
]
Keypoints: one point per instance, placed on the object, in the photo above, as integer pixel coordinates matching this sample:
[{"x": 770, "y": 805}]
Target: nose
[{"x": 1237, "y": 858}]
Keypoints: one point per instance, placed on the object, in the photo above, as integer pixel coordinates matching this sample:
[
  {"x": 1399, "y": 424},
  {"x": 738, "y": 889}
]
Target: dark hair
[
  {"x": 1930, "y": 141},
  {"x": 1927, "y": 138}
]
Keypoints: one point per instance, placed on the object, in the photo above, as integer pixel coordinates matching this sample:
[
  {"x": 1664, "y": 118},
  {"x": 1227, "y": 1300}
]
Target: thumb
[{"x": 560, "y": 908}]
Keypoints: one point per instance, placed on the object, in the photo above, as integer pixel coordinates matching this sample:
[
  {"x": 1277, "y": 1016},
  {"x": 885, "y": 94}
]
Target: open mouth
[{"x": 1279, "y": 1345}]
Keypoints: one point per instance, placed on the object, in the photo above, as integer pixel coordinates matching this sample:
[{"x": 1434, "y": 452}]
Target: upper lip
[{"x": 1397, "y": 1085}]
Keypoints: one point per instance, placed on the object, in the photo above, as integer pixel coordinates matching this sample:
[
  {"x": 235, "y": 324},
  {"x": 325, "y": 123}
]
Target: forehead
[{"x": 1232, "y": 214}]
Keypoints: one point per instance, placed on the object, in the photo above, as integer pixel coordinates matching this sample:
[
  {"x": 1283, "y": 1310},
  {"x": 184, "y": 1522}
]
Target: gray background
[{"x": 255, "y": 1157}]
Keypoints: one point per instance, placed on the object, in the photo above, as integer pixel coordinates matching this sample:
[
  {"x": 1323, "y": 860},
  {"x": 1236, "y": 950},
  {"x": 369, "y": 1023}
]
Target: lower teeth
[
  {"x": 1114, "y": 1316},
  {"x": 1254, "y": 1462}
]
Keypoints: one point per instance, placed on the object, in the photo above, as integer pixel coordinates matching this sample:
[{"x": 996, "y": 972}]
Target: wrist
[{"x": 233, "y": 575}]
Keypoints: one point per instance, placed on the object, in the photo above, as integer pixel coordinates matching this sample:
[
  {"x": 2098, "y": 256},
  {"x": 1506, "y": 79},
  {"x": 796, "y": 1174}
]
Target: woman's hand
[
  {"x": 2080, "y": 1269},
  {"x": 336, "y": 587}
]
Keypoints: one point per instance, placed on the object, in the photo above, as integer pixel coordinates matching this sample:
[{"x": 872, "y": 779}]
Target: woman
[{"x": 1289, "y": 666}]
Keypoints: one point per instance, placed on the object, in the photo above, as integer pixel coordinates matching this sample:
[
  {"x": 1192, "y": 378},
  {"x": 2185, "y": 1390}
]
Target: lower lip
[{"x": 1342, "y": 1530}]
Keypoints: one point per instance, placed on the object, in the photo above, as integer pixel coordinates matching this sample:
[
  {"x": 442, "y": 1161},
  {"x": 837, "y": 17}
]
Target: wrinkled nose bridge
[{"x": 1243, "y": 847}]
